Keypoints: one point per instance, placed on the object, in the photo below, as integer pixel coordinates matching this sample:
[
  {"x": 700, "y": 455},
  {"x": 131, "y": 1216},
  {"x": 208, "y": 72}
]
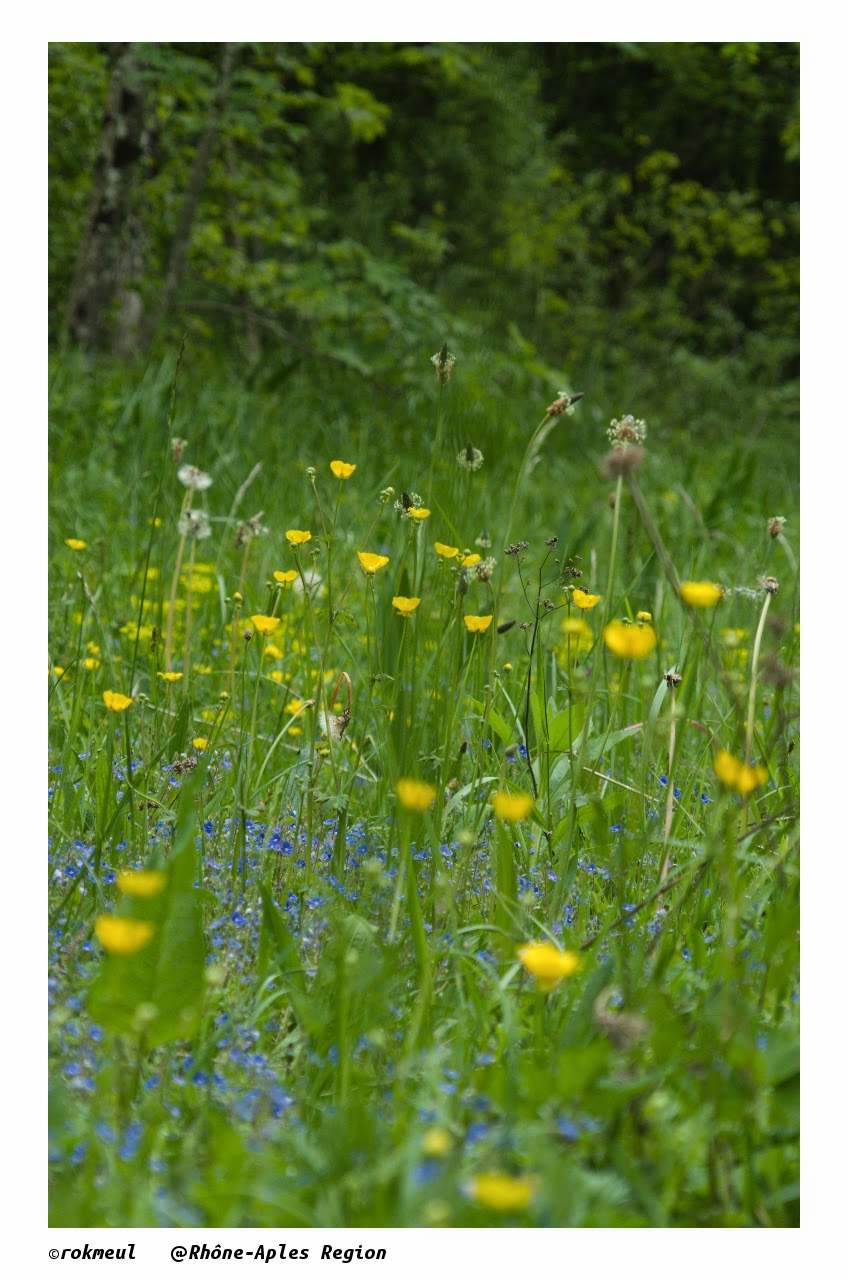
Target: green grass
[{"x": 329, "y": 1024}]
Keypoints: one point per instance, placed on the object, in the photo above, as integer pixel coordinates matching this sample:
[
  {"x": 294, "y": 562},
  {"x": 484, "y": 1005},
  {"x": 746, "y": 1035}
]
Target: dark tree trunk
[
  {"x": 236, "y": 240},
  {"x": 100, "y": 267},
  {"x": 191, "y": 200}
]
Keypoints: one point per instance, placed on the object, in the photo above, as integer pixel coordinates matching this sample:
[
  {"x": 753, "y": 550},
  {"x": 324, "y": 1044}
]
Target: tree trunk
[
  {"x": 236, "y": 240},
  {"x": 98, "y": 273},
  {"x": 182, "y": 236}
]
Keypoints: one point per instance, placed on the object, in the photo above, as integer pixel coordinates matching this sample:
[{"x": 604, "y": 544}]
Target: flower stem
[{"x": 175, "y": 582}]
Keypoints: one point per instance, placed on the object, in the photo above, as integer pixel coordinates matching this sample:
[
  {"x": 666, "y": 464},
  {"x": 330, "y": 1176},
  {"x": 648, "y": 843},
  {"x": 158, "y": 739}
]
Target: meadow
[{"x": 423, "y": 783}]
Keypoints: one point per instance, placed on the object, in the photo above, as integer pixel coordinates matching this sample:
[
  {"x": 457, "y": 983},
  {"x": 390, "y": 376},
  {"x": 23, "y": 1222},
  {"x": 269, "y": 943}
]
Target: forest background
[{"x": 317, "y": 218}]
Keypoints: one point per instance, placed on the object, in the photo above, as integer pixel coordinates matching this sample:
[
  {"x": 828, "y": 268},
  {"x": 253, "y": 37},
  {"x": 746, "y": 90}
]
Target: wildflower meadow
[
  {"x": 423, "y": 638},
  {"x": 423, "y": 847}
]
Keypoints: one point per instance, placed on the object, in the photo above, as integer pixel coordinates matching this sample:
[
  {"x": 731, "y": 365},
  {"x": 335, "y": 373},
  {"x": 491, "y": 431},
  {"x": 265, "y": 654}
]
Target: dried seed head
[
  {"x": 564, "y": 403},
  {"x": 770, "y": 586},
  {"x": 178, "y": 448},
  {"x": 775, "y": 525},
  {"x": 444, "y": 362},
  {"x": 194, "y": 478},
  {"x": 619, "y": 461},
  {"x": 484, "y": 569},
  {"x": 774, "y": 672},
  {"x": 672, "y": 679},
  {"x": 484, "y": 541},
  {"x": 195, "y": 524},
  {"x": 621, "y": 1028}
]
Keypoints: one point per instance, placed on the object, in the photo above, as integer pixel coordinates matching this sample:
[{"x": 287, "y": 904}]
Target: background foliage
[{"x": 614, "y": 210}]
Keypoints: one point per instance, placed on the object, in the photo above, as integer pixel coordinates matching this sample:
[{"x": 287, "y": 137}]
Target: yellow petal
[
  {"x": 512, "y": 806},
  {"x": 141, "y": 884},
  {"x": 121, "y": 936},
  {"x": 370, "y": 562},
  {"x": 415, "y": 795},
  {"x": 583, "y": 600},
  {"x": 700, "y": 595},
  {"x": 406, "y": 604},
  {"x": 116, "y": 701},
  {"x": 547, "y": 963},
  {"x": 263, "y": 624},
  {"x": 502, "y": 1193},
  {"x": 629, "y": 642},
  {"x": 343, "y": 470},
  {"x": 741, "y": 777}
]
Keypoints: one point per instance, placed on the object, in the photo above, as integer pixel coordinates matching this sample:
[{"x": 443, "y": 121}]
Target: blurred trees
[{"x": 592, "y": 203}]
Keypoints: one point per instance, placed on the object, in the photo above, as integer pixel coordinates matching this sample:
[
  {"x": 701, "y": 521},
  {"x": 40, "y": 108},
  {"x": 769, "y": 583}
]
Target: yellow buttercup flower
[
  {"x": 511, "y": 806},
  {"x": 343, "y": 470},
  {"x": 171, "y": 676},
  {"x": 406, "y": 605},
  {"x": 446, "y": 552},
  {"x": 297, "y": 537},
  {"x": 371, "y": 563},
  {"x": 470, "y": 560},
  {"x": 271, "y": 651},
  {"x": 116, "y": 701},
  {"x": 285, "y": 576},
  {"x": 295, "y": 705},
  {"x": 415, "y": 795},
  {"x": 436, "y": 1142},
  {"x": 418, "y": 513},
  {"x": 642, "y": 616},
  {"x": 200, "y": 744},
  {"x": 477, "y": 624},
  {"x": 743, "y": 778},
  {"x": 76, "y": 544},
  {"x": 700, "y": 595},
  {"x": 122, "y": 937},
  {"x": 629, "y": 642},
  {"x": 91, "y": 664},
  {"x": 501, "y": 1192},
  {"x": 576, "y": 627},
  {"x": 583, "y": 600},
  {"x": 263, "y": 624},
  {"x": 142, "y": 884},
  {"x": 547, "y": 963}
]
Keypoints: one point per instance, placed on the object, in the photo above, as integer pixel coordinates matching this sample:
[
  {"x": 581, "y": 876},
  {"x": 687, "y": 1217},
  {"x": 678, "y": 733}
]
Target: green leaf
[
  {"x": 179, "y": 733},
  {"x": 158, "y": 992}
]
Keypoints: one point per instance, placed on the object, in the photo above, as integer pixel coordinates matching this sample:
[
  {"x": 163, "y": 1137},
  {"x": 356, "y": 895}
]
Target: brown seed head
[{"x": 621, "y": 461}]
